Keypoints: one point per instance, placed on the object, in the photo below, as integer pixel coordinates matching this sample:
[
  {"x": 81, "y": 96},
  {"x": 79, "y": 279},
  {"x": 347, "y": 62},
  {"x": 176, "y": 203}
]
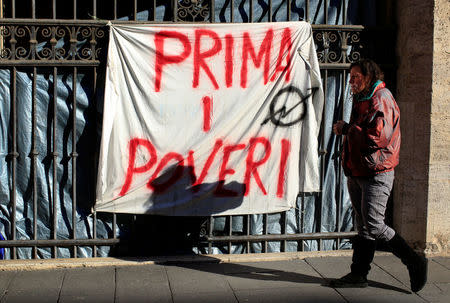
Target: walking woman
[{"x": 371, "y": 152}]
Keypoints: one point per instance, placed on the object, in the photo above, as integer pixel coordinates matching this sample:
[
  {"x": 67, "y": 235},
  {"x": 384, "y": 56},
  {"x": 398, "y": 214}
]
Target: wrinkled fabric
[
  {"x": 209, "y": 119},
  {"x": 43, "y": 169}
]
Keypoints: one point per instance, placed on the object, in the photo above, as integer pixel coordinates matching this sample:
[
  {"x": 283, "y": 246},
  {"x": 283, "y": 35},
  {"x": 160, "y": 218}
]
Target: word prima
[{"x": 222, "y": 47}]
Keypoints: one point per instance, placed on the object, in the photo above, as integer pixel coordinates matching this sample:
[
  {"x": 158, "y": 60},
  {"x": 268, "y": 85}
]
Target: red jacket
[{"x": 372, "y": 142}]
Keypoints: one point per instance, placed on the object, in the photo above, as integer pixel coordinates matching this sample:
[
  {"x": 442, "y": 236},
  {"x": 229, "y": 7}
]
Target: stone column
[
  {"x": 1, "y": 16},
  {"x": 422, "y": 187},
  {"x": 438, "y": 224}
]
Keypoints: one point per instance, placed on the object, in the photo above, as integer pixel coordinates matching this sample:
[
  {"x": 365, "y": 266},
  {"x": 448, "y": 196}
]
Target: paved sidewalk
[{"x": 293, "y": 280}]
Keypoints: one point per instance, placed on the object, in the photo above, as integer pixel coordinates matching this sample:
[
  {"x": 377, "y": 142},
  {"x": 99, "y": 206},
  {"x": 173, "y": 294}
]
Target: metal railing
[{"x": 76, "y": 41}]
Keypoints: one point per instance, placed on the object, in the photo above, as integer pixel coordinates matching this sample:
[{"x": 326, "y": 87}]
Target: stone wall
[
  {"x": 438, "y": 227},
  {"x": 422, "y": 191}
]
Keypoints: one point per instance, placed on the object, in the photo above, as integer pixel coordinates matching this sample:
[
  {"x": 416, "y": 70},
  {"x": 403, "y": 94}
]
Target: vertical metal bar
[
  {"x": 232, "y": 11},
  {"x": 55, "y": 159},
  {"x": 34, "y": 154},
  {"x": 94, "y": 233},
  {"x": 210, "y": 233},
  {"x": 302, "y": 218},
  {"x": 319, "y": 198},
  {"x": 307, "y": 10},
  {"x": 251, "y": 12},
  {"x": 288, "y": 10},
  {"x": 54, "y": 9},
  {"x": 319, "y": 220},
  {"x": 212, "y": 11},
  {"x": 339, "y": 173},
  {"x": 94, "y": 8},
  {"x": 33, "y": 42},
  {"x": 154, "y": 10},
  {"x": 175, "y": 9},
  {"x": 344, "y": 9},
  {"x": 344, "y": 36},
  {"x": 74, "y": 158},
  {"x": 1, "y": 27},
  {"x": 323, "y": 150},
  {"x": 114, "y": 225},
  {"x": 284, "y": 229},
  {"x": 135, "y": 10},
  {"x": 320, "y": 242},
  {"x": 74, "y": 9},
  {"x": 13, "y": 42},
  {"x": 33, "y": 9},
  {"x": 13, "y": 9},
  {"x": 94, "y": 89},
  {"x": 325, "y": 8},
  {"x": 230, "y": 232},
  {"x": 115, "y": 9},
  {"x": 14, "y": 155},
  {"x": 248, "y": 232},
  {"x": 269, "y": 17},
  {"x": 340, "y": 187},
  {"x": 265, "y": 222}
]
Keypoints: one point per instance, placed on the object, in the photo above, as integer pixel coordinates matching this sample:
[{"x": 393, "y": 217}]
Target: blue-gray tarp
[{"x": 87, "y": 138}]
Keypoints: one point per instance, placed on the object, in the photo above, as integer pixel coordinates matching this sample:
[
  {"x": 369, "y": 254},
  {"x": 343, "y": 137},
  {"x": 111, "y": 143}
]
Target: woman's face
[{"x": 358, "y": 81}]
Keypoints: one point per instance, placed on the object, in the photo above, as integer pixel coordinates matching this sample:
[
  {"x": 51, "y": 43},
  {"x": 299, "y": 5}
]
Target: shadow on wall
[
  {"x": 179, "y": 213},
  {"x": 175, "y": 193}
]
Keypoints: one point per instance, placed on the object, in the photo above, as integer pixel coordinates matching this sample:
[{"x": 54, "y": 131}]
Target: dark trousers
[{"x": 369, "y": 196}]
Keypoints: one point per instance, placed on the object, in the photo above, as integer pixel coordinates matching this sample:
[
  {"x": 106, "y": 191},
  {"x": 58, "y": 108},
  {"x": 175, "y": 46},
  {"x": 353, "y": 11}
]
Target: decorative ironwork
[
  {"x": 337, "y": 46},
  {"x": 55, "y": 44},
  {"x": 354, "y": 39},
  {"x": 74, "y": 43},
  {"x": 193, "y": 10}
]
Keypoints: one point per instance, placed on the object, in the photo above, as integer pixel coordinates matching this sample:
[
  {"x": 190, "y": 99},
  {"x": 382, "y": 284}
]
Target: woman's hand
[{"x": 338, "y": 127}]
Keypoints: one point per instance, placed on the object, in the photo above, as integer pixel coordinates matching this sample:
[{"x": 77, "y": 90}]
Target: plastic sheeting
[
  {"x": 319, "y": 213},
  {"x": 44, "y": 164}
]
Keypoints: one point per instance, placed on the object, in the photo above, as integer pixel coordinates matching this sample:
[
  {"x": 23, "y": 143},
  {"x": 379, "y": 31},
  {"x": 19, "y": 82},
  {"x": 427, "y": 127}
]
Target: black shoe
[
  {"x": 417, "y": 265},
  {"x": 350, "y": 280},
  {"x": 418, "y": 274},
  {"x": 363, "y": 253}
]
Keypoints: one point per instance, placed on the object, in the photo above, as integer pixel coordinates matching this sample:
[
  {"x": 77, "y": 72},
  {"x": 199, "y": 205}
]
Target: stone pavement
[{"x": 210, "y": 279}]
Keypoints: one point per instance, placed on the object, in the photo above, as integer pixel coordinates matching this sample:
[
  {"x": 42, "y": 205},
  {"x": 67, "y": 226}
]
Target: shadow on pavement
[
  {"x": 213, "y": 265},
  {"x": 388, "y": 287}
]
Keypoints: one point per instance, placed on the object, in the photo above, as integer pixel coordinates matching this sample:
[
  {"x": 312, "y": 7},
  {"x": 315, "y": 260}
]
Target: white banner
[{"x": 209, "y": 119}]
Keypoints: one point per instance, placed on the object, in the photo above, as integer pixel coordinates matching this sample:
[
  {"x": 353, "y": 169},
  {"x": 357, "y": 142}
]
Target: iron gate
[{"x": 61, "y": 49}]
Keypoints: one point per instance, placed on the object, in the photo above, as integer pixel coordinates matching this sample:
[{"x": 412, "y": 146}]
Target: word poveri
[{"x": 251, "y": 166}]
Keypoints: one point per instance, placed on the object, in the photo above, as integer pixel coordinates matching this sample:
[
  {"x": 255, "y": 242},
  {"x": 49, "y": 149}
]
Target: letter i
[
  {"x": 285, "y": 150},
  {"x": 207, "y": 109},
  {"x": 229, "y": 42}
]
